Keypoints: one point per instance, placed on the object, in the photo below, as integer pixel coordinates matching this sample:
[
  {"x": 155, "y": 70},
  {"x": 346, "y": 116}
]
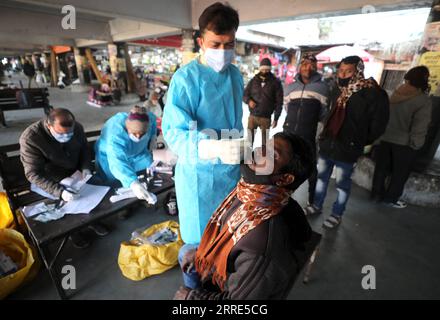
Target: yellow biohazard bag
[
  {"x": 6, "y": 217},
  {"x": 151, "y": 251},
  {"x": 13, "y": 245}
]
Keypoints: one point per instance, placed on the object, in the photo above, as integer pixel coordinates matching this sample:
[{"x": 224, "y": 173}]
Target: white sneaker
[{"x": 400, "y": 204}]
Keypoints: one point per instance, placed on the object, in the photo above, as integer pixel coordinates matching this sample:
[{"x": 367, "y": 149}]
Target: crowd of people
[{"x": 242, "y": 229}]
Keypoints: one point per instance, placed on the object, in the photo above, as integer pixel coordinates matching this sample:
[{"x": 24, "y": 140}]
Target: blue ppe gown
[
  {"x": 199, "y": 99},
  {"x": 117, "y": 156}
]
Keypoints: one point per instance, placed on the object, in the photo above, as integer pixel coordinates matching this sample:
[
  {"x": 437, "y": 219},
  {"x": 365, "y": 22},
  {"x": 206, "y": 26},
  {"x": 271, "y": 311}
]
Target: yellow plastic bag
[
  {"x": 138, "y": 261},
  {"x": 13, "y": 244},
  {"x": 6, "y": 217}
]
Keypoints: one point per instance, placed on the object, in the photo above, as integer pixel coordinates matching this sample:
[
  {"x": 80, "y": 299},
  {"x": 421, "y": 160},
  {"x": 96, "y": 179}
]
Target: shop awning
[
  {"x": 336, "y": 54},
  {"x": 169, "y": 41}
]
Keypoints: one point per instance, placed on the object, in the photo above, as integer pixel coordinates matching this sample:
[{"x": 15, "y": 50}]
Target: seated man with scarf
[{"x": 254, "y": 244}]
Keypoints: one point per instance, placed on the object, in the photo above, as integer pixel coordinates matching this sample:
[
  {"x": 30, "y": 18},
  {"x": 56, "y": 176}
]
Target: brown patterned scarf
[
  {"x": 357, "y": 83},
  {"x": 258, "y": 203}
]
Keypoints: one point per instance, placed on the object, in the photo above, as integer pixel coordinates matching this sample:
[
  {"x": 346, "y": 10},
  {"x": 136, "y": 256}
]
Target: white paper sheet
[
  {"x": 75, "y": 182},
  {"x": 90, "y": 197},
  {"x": 30, "y": 211}
]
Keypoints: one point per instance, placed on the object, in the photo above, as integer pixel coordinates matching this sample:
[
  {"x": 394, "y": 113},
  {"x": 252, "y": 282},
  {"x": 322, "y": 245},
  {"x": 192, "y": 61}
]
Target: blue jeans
[
  {"x": 343, "y": 183},
  {"x": 192, "y": 278}
]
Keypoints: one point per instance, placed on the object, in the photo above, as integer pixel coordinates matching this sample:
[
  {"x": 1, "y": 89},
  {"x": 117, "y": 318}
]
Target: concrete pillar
[
  {"x": 53, "y": 68},
  {"x": 80, "y": 61},
  {"x": 131, "y": 82},
  {"x": 82, "y": 69},
  {"x": 112, "y": 50},
  {"x": 93, "y": 65},
  {"x": 121, "y": 66},
  {"x": 430, "y": 57},
  {"x": 188, "y": 47}
]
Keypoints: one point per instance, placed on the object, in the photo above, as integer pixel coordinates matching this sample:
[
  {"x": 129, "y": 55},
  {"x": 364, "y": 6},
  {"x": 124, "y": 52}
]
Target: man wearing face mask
[
  {"x": 254, "y": 245},
  {"x": 264, "y": 95},
  {"x": 306, "y": 105},
  {"x": 206, "y": 94},
  {"x": 51, "y": 150},
  {"x": 359, "y": 115},
  {"x": 125, "y": 148}
]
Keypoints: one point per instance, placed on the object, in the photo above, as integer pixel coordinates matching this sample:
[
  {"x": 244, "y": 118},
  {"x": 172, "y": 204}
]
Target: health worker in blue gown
[
  {"x": 204, "y": 99},
  {"x": 125, "y": 148}
]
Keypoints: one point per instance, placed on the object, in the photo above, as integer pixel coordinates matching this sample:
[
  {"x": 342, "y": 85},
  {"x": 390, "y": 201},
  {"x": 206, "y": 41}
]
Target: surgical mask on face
[
  {"x": 219, "y": 59},
  {"x": 134, "y": 138},
  {"x": 61, "y": 137}
]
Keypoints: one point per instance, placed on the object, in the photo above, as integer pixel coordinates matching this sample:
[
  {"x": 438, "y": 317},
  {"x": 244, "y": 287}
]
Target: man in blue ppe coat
[
  {"x": 125, "y": 147},
  {"x": 203, "y": 100}
]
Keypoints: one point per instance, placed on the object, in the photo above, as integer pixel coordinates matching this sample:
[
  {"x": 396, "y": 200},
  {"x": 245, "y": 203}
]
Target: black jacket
[
  {"x": 28, "y": 70},
  {"x": 366, "y": 118},
  {"x": 306, "y": 105},
  {"x": 265, "y": 263},
  {"x": 268, "y": 97}
]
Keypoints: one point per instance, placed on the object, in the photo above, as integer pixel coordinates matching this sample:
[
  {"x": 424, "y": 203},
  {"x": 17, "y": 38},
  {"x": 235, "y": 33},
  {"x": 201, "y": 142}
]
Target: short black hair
[
  {"x": 351, "y": 60},
  {"x": 219, "y": 18},
  {"x": 418, "y": 77},
  {"x": 67, "y": 116},
  {"x": 302, "y": 161}
]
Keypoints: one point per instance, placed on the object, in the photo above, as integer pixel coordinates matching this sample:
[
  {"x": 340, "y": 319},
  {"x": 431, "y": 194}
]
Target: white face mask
[
  {"x": 134, "y": 138},
  {"x": 219, "y": 59},
  {"x": 62, "y": 137}
]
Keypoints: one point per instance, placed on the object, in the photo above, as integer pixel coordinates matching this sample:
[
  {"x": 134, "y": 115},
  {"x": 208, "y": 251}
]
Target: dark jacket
[
  {"x": 28, "y": 70},
  {"x": 46, "y": 161},
  {"x": 306, "y": 105},
  {"x": 268, "y": 97},
  {"x": 265, "y": 263},
  {"x": 366, "y": 117}
]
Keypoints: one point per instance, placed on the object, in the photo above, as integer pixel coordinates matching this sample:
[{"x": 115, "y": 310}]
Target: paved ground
[{"x": 402, "y": 245}]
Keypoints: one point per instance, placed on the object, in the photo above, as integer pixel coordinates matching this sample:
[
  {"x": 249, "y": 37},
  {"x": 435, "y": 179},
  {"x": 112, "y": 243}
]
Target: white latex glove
[
  {"x": 229, "y": 151},
  {"x": 86, "y": 172},
  {"x": 69, "y": 196},
  {"x": 141, "y": 192}
]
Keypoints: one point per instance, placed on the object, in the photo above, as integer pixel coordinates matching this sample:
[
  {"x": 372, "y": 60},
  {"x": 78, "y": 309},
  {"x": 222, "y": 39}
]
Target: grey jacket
[
  {"x": 409, "y": 121},
  {"x": 46, "y": 161}
]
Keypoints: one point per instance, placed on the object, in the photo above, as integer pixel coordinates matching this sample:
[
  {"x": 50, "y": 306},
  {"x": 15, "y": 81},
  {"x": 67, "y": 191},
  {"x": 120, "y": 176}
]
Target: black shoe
[
  {"x": 99, "y": 229},
  {"x": 79, "y": 241}
]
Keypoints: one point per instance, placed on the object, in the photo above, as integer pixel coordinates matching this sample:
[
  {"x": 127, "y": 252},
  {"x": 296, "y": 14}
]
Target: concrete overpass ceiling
[
  {"x": 165, "y": 12},
  {"x": 385, "y": 28},
  {"x": 50, "y": 10},
  {"x": 263, "y": 11},
  {"x": 39, "y": 23},
  {"x": 30, "y": 24},
  {"x": 129, "y": 30}
]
